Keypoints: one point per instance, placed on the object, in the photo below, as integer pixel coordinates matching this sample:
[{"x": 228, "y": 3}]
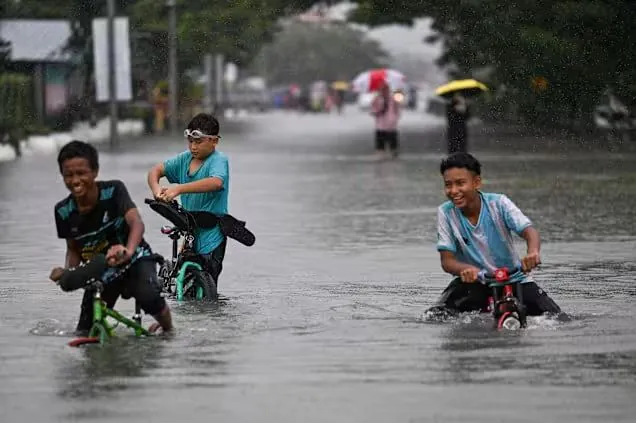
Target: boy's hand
[
  {"x": 159, "y": 194},
  {"x": 117, "y": 255},
  {"x": 530, "y": 261},
  {"x": 469, "y": 275},
  {"x": 56, "y": 274},
  {"x": 169, "y": 194}
]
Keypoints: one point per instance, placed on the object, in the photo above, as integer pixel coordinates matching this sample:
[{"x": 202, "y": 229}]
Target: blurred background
[{"x": 561, "y": 64}]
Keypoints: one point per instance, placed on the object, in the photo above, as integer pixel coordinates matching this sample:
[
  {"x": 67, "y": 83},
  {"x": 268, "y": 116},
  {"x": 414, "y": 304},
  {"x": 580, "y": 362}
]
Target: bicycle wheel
[
  {"x": 165, "y": 278},
  {"x": 199, "y": 285},
  {"x": 509, "y": 321}
]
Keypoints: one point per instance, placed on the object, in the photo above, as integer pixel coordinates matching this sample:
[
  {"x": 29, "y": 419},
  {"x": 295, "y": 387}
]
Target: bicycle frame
[
  {"x": 507, "y": 305},
  {"x": 175, "y": 273},
  {"x": 101, "y": 331}
]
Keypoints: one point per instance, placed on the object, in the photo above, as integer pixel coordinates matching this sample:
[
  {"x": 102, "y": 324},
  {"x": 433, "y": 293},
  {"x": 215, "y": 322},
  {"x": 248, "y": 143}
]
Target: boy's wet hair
[
  {"x": 462, "y": 161},
  {"x": 80, "y": 149},
  {"x": 205, "y": 123}
]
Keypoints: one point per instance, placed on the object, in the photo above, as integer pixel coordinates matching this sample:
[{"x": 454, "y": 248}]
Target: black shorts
[
  {"x": 382, "y": 138},
  {"x": 462, "y": 297},
  {"x": 139, "y": 282}
]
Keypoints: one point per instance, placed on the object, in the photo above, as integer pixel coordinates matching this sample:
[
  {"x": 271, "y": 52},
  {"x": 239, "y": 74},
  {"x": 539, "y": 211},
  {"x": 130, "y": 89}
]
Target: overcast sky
[{"x": 399, "y": 39}]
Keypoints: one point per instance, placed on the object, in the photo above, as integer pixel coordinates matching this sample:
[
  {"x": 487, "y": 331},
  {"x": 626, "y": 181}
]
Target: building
[{"x": 38, "y": 48}]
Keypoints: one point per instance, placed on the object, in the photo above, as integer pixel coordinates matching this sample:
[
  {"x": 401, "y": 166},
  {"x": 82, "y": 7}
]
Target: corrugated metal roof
[{"x": 36, "y": 40}]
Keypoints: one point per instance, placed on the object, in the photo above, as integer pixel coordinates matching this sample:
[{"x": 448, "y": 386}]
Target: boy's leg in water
[
  {"x": 459, "y": 297},
  {"x": 214, "y": 261},
  {"x": 537, "y": 301},
  {"x": 145, "y": 288}
]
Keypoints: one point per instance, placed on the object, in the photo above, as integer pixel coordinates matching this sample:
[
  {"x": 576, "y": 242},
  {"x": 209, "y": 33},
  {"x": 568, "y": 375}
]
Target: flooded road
[{"x": 323, "y": 318}]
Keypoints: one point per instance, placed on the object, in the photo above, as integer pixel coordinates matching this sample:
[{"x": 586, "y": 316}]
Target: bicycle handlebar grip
[{"x": 77, "y": 277}]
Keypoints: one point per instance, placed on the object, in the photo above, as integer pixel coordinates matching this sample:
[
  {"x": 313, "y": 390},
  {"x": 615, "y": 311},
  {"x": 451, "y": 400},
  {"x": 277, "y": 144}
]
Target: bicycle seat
[
  {"x": 168, "y": 230},
  {"x": 181, "y": 219}
]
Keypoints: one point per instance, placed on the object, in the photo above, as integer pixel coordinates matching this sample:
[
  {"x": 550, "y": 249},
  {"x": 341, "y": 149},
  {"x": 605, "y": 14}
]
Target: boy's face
[
  {"x": 202, "y": 147},
  {"x": 461, "y": 186},
  {"x": 78, "y": 176}
]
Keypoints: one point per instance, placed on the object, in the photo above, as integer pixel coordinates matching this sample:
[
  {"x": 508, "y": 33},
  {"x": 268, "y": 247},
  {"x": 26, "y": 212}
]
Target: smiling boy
[
  {"x": 99, "y": 217},
  {"x": 474, "y": 236}
]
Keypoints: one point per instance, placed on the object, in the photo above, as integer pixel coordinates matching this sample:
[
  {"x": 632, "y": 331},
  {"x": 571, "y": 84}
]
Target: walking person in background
[
  {"x": 387, "y": 114},
  {"x": 457, "y": 113}
]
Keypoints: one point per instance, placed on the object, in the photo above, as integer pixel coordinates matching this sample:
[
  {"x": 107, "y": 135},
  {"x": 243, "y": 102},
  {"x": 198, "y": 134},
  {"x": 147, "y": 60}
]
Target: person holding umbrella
[
  {"x": 385, "y": 108},
  {"x": 457, "y": 114},
  {"x": 458, "y": 111},
  {"x": 386, "y": 111}
]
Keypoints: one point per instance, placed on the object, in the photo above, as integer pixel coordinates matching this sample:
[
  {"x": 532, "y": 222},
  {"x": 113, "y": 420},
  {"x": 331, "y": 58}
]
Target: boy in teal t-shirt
[{"x": 203, "y": 183}]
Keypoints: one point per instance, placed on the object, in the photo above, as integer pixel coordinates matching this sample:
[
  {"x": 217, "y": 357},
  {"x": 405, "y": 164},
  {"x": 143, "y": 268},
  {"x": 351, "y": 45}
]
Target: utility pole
[
  {"x": 208, "y": 103},
  {"x": 112, "y": 75},
  {"x": 172, "y": 65},
  {"x": 219, "y": 83}
]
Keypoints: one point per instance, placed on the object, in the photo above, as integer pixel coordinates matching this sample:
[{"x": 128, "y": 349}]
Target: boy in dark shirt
[{"x": 99, "y": 217}]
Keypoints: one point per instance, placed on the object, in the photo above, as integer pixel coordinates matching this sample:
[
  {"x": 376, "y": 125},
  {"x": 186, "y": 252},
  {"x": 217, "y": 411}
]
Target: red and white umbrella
[{"x": 372, "y": 80}]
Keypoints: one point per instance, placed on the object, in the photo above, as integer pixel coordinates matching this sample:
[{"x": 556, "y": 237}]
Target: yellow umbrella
[
  {"x": 340, "y": 85},
  {"x": 467, "y": 87}
]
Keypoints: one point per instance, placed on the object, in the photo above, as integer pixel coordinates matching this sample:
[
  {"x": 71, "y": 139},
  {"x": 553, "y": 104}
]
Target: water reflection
[{"x": 101, "y": 372}]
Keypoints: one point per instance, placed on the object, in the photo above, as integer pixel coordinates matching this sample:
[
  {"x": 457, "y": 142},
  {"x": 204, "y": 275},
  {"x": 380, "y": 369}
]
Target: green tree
[
  {"x": 304, "y": 53},
  {"x": 235, "y": 28},
  {"x": 579, "y": 47}
]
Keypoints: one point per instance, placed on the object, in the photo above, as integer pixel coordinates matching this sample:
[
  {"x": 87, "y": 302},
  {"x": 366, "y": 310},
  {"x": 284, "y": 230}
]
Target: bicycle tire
[
  {"x": 504, "y": 317},
  {"x": 203, "y": 286}
]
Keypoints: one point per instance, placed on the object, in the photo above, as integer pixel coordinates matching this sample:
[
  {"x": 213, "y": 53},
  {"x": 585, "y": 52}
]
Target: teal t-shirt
[{"x": 215, "y": 165}]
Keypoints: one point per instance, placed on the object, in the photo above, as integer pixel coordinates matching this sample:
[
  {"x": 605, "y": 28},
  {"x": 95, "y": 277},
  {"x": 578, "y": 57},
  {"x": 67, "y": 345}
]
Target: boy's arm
[
  {"x": 519, "y": 223},
  {"x": 137, "y": 228},
  {"x": 125, "y": 207},
  {"x": 214, "y": 182},
  {"x": 170, "y": 168},
  {"x": 533, "y": 242},
  {"x": 73, "y": 259},
  {"x": 156, "y": 173},
  {"x": 73, "y": 255},
  {"x": 451, "y": 265},
  {"x": 209, "y": 184}
]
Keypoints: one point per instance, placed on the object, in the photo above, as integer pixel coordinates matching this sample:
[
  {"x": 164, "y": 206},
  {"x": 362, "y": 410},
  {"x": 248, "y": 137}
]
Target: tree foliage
[
  {"x": 304, "y": 53},
  {"x": 235, "y": 28},
  {"x": 578, "y": 47}
]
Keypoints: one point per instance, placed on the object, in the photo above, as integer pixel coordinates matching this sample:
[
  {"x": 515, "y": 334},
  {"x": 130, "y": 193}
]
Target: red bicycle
[{"x": 506, "y": 302}]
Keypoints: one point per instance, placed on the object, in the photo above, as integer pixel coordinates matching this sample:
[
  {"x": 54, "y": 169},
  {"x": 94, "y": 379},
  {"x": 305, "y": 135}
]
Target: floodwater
[{"x": 322, "y": 321}]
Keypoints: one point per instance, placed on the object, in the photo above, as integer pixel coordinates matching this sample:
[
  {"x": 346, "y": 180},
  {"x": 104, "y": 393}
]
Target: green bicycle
[{"x": 84, "y": 276}]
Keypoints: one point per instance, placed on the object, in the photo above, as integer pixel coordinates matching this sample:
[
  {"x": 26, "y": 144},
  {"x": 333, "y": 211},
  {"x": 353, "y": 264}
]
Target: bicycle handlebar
[{"x": 500, "y": 276}]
